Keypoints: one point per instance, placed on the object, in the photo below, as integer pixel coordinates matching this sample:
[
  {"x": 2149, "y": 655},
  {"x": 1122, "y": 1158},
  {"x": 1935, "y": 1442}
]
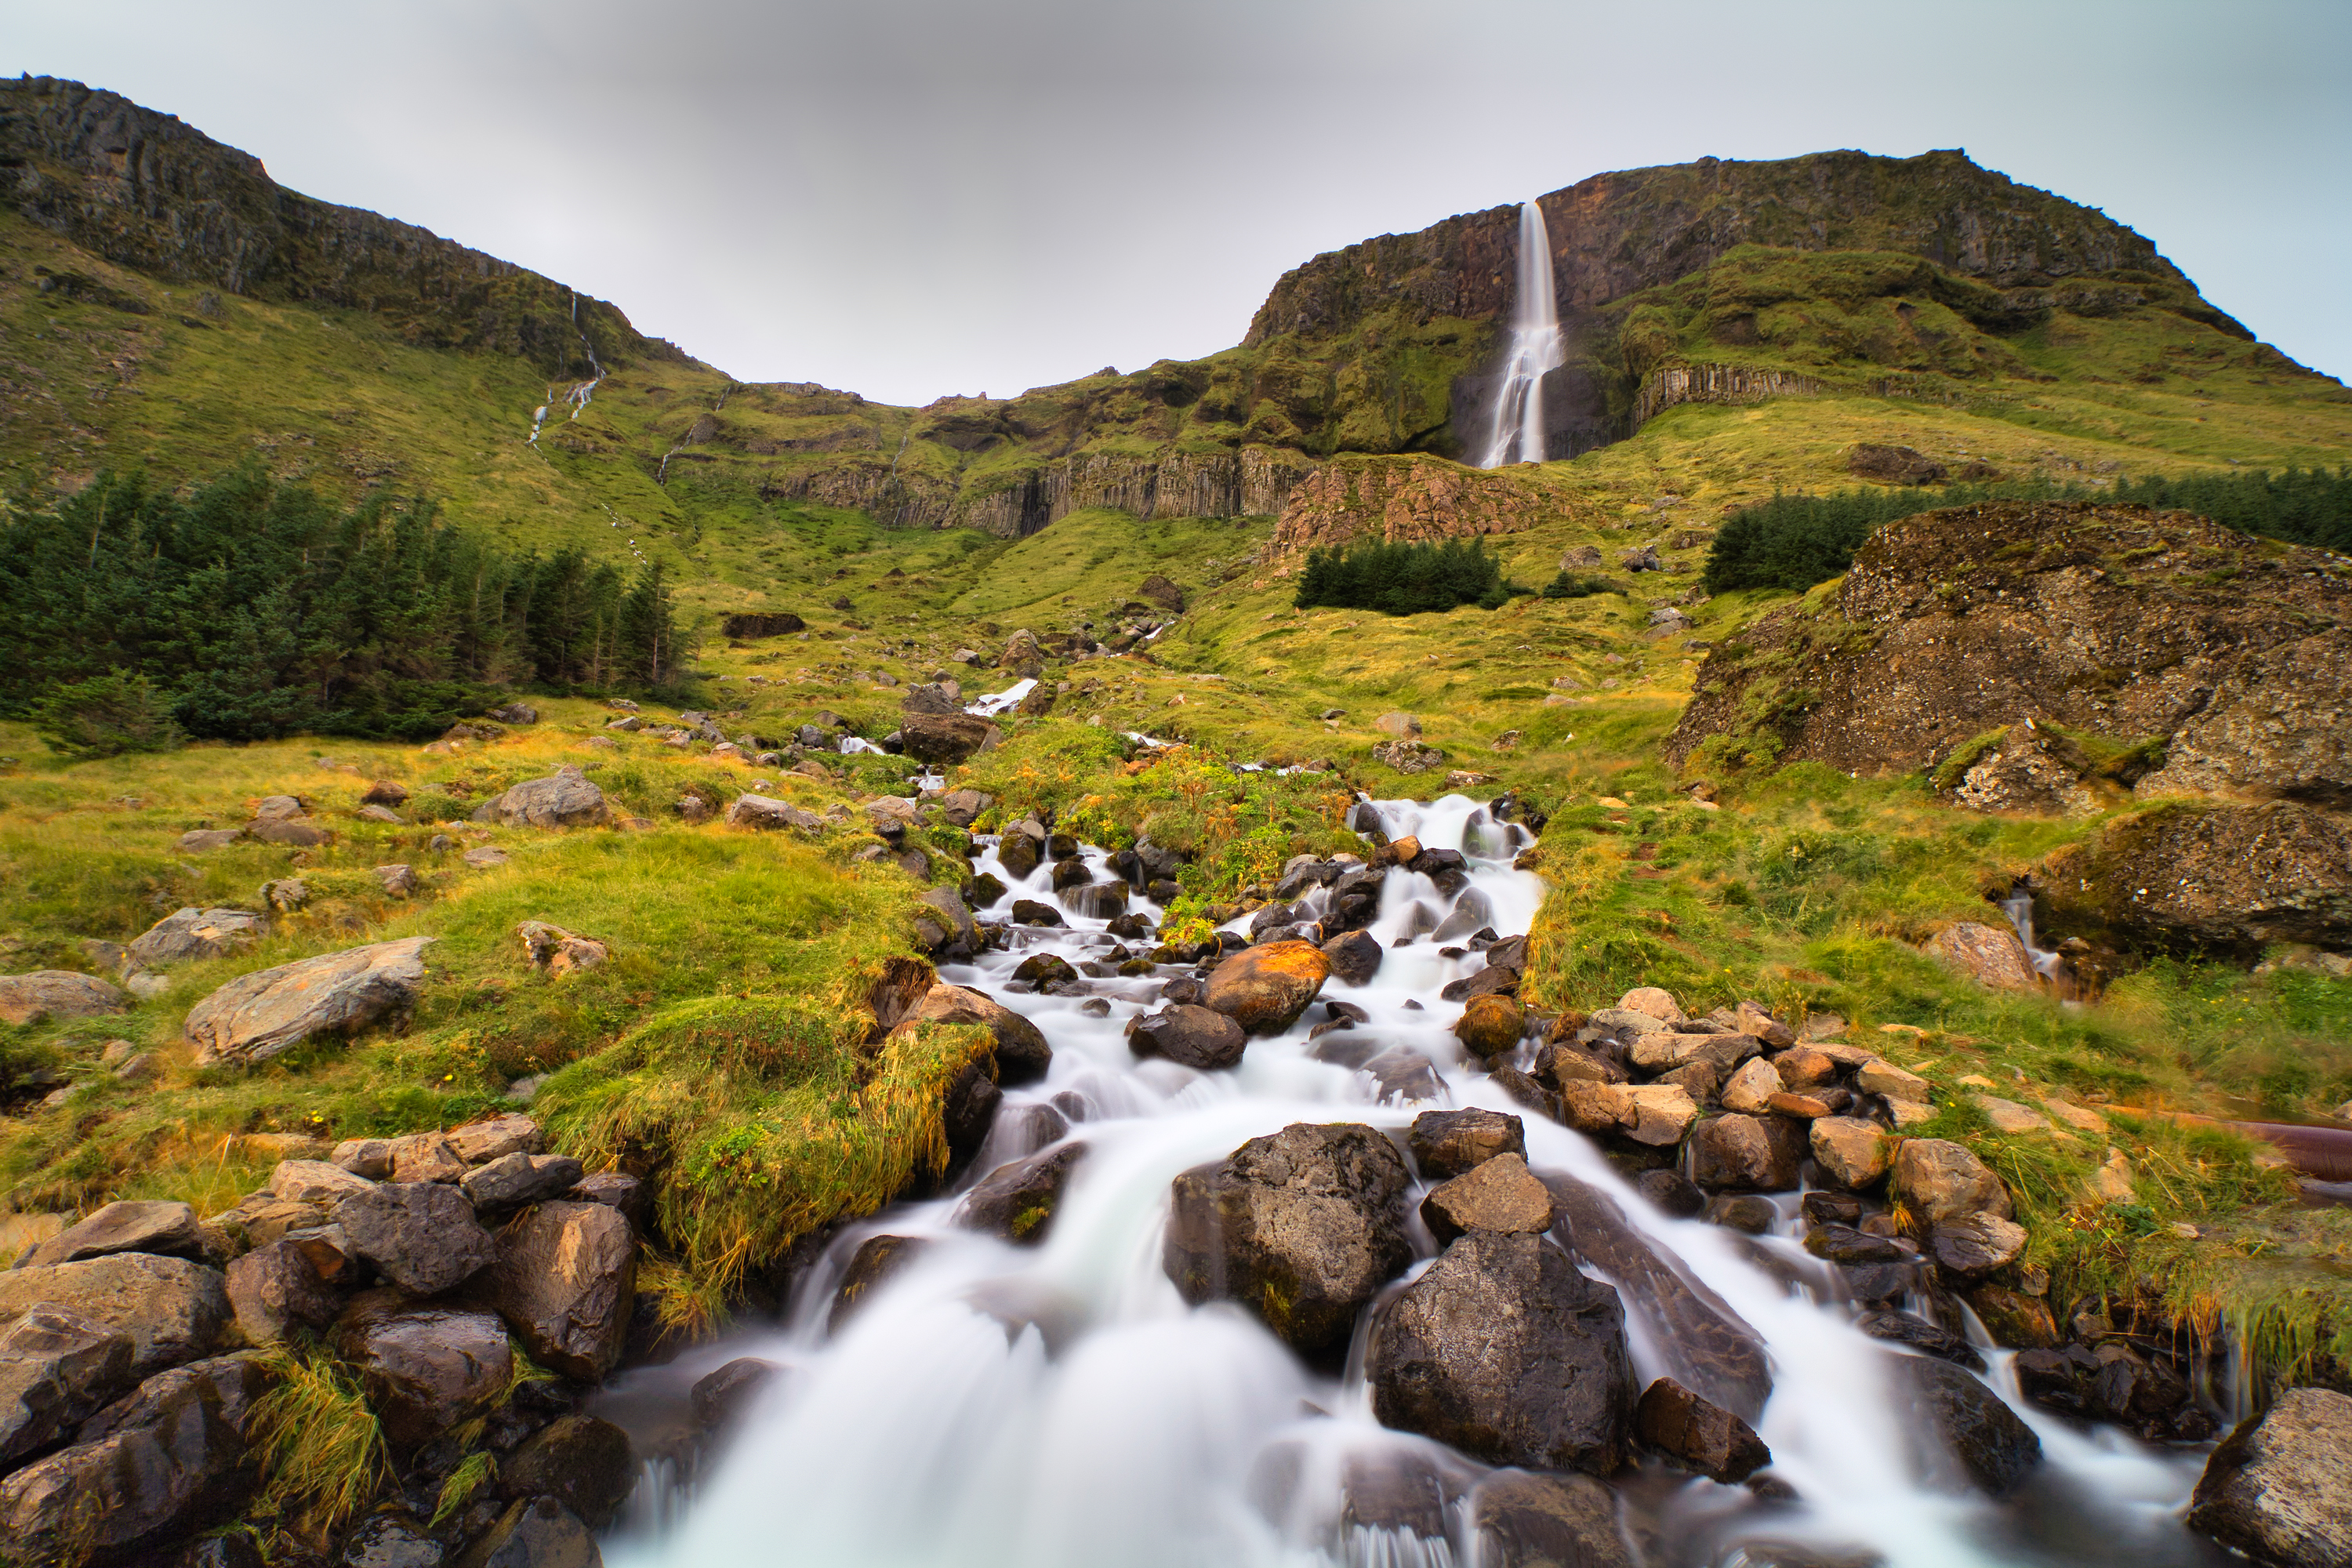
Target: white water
[
  {"x": 1060, "y": 1406},
  {"x": 1518, "y": 433},
  {"x": 2019, "y": 908},
  {"x": 1002, "y": 701}
]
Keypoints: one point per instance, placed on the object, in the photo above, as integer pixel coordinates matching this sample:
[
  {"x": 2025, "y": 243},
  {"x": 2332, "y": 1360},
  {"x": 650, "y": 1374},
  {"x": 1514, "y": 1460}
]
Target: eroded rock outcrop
[{"x": 258, "y": 1015}]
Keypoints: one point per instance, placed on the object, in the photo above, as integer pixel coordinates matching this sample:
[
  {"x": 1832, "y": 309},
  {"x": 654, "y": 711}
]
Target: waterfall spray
[{"x": 1517, "y": 436}]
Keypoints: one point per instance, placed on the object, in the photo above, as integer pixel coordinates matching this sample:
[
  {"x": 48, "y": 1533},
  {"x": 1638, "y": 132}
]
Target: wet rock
[
  {"x": 422, "y": 1235},
  {"x": 1843, "y": 1243},
  {"x": 1263, "y": 989},
  {"x": 878, "y": 1260},
  {"x": 46, "y": 994},
  {"x": 1303, "y": 1227},
  {"x": 1450, "y": 1142},
  {"x": 122, "y": 1499},
  {"x": 173, "y": 1309},
  {"x": 1354, "y": 958},
  {"x": 1030, "y": 912},
  {"x": 1740, "y": 1152},
  {"x": 535, "y": 1532},
  {"x": 1903, "y": 1329},
  {"x": 720, "y": 1396},
  {"x": 392, "y": 1538},
  {"x": 2011, "y": 1317},
  {"x": 1190, "y": 1035},
  {"x": 1022, "y": 1053},
  {"x": 1502, "y": 1349},
  {"x": 1498, "y": 1195},
  {"x": 166, "y": 1229},
  {"x": 1526, "y": 1519},
  {"x": 1490, "y": 1026},
  {"x": 1561, "y": 1062},
  {"x": 1751, "y": 1213},
  {"x": 426, "y": 1368},
  {"x": 1851, "y": 1153},
  {"x": 2279, "y": 1489},
  {"x": 196, "y": 933},
  {"x": 1015, "y": 1203},
  {"x": 57, "y": 1366},
  {"x": 1972, "y": 1245},
  {"x": 1698, "y": 1433},
  {"x": 496, "y": 1137},
  {"x": 511, "y": 1181},
  {"x": 275, "y": 1290},
  {"x": 1955, "y": 1417},
  {"x": 1939, "y": 1181},
  {"x": 1670, "y": 1193},
  {"x": 565, "y": 800},
  {"x": 564, "y": 1280},
  {"x": 582, "y": 1462},
  {"x": 1990, "y": 955},
  {"x": 1471, "y": 911},
  {"x": 256, "y": 1017}
]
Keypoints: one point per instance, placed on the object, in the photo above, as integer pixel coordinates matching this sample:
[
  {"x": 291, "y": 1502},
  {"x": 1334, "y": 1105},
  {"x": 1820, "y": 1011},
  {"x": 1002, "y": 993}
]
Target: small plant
[{"x": 322, "y": 1449}]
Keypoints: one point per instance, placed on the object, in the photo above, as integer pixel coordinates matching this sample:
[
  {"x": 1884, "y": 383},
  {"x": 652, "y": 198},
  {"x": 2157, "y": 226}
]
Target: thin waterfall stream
[
  {"x": 1059, "y": 1405},
  {"x": 1517, "y": 435}
]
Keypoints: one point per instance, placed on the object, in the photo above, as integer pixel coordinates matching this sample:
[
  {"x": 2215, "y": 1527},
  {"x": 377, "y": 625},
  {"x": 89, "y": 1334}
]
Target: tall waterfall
[{"x": 1517, "y": 436}]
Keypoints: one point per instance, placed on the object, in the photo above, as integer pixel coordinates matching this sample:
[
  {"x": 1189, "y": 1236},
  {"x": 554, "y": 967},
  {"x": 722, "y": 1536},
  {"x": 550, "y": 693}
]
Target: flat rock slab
[
  {"x": 167, "y": 1229},
  {"x": 173, "y": 1309},
  {"x": 256, "y": 1017},
  {"x": 48, "y": 994},
  {"x": 197, "y": 934}
]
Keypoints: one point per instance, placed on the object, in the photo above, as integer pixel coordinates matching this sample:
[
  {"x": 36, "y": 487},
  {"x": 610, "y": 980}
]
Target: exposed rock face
[
  {"x": 48, "y": 994},
  {"x": 421, "y": 1234},
  {"x": 1850, "y": 1152},
  {"x": 1701, "y": 1434},
  {"x": 1503, "y": 1349},
  {"x": 1263, "y": 989},
  {"x": 2279, "y": 1489},
  {"x": 564, "y": 1280},
  {"x": 173, "y": 1309},
  {"x": 256, "y": 1017},
  {"x": 1022, "y": 1053},
  {"x": 197, "y": 934},
  {"x": 1302, "y": 1227},
  {"x": 275, "y": 1289},
  {"x": 57, "y": 1366},
  {"x": 1403, "y": 501},
  {"x": 947, "y": 738},
  {"x": 429, "y": 1368},
  {"x": 2231, "y": 654},
  {"x": 2232, "y": 877}
]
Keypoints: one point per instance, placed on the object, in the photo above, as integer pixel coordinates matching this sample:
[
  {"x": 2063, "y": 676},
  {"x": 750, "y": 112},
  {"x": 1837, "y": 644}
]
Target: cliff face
[
  {"x": 144, "y": 191},
  {"x": 1253, "y": 481},
  {"x": 1407, "y": 500}
]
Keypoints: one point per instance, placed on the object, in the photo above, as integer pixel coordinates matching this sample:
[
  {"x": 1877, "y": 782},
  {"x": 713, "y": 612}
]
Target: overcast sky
[{"x": 919, "y": 197}]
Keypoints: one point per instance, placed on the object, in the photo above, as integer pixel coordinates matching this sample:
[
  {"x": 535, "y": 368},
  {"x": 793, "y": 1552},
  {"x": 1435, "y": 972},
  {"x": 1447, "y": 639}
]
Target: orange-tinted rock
[
  {"x": 1489, "y": 1024},
  {"x": 1263, "y": 989}
]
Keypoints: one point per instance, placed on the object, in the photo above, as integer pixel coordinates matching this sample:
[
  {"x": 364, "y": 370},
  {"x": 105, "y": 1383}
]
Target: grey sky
[{"x": 916, "y": 198}]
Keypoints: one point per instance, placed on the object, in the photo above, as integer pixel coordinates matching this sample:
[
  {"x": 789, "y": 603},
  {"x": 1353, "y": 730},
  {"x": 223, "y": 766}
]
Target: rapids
[{"x": 1060, "y": 1406}]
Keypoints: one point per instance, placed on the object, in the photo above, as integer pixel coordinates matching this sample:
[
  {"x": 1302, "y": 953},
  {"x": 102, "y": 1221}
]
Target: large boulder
[
  {"x": 421, "y": 1236},
  {"x": 2279, "y": 1489},
  {"x": 1303, "y": 1227},
  {"x": 759, "y": 811},
  {"x": 276, "y": 1288},
  {"x": 536, "y": 1532},
  {"x": 427, "y": 1368},
  {"x": 1939, "y": 1180},
  {"x": 1958, "y": 1421},
  {"x": 1263, "y": 989},
  {"x": 173, "y": 1309},
  {"x": 256, "y": 1017},
  {"x": 565, "y": 800},
  {"x": 1527, "y": 1520},
  {"x": 1698, "y": 1433},
  {"x": 1188, "y": 1036},
  {"x": 565, "y": 1280},
  {"x": 2232, "y": 875},
  {"x": 947, "y": 738},
  {"x": 46, "y": 994},
  {"x": 56, "y": 1367},
  {"x": 165, "y": 1229},
  {"x": 1502, "y": 1349},
  {"x": 1022, "y": 1053},
  {"x": 1747, "y": 1152},
  {"x": 1490, "y": 1025},
  {"x": 1448, "y": 1142},
  {"x": 197, "y": 934},
  {"x": 582, "y": 1461}
]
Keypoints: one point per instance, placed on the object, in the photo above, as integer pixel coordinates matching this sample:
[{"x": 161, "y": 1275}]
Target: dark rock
[
  {"x": 1498, "y": 1195},
  {"x": 1832, "y": 1208},
  {"x": 511, "y": 1181},
  {"x": 124, "y": 1498},
  {"x": 275, "y": 1290},
  {"x": 985, "y": 892},
  {"x": 1450, "y": 1142},
  {"x": 1700, "y": 1433},
  {"x": 616, "y": 1190},
  {"x": 1739, "y": 1151},
  {"x": 1504, "y": 1351},
  {"x": 719, "y": 1396},
  {"x": 1893, "y": 465},
  {"x": 1490, "y": 1026},
  {"x": 1030, "y": 912},
  {"x": 1303, "y": 1227},
  {"x": 56, "y": 1367},
  {"x": 1403, "y": 1076},
  {"x": 1354, "y": 958},
  {"x": 1843, "y": 1244},
  {"x": 2279, "y": 1489},
  {"x": 536, "y": 1532},
  {"x": 165, "y": 1229},
  {"x": 946, "y": 738},
  {"x": 1524, "y": 1519},
  {"x": 1903, "y": 1329},
  {"x": 233, "y": 1382},
  {"x": 1016, "y": 1202},
  {"x": 878, "y": 1260},
  {"x": 173, "y": 1309},
  {"x": 565, "y": 1278},
  {"x": 1994, "y": 1448},
  {"x": 421, "y": 1234},
  {"x": 393, "y": 1538},
  {"x": 969, "y": 1110},
  {"x": 1188, "y": 1036},
  {"x": 582, "y": 1462},
  {"x": 426, "y": 1369},
  {"x": 1671, "y": 1193},
  {"x": 2011, "y": 1317},
  {"x": 1495, "y": 979},
  {"x": 1022, "y": 1053},
  {"x": 1751, "y": 1213}
]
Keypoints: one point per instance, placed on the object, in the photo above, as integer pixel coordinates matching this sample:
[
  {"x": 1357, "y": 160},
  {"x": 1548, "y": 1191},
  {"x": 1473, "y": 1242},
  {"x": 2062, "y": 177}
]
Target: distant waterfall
[{"x": 1517, "y": 436}]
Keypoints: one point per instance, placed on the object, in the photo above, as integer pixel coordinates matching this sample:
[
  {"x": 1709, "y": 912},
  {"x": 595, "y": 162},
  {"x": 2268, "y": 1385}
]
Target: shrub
[
  {"x": 1403, "y": 578},
  {"x": 1568, "y": 585},
  {"x": 105, "y": 716}
]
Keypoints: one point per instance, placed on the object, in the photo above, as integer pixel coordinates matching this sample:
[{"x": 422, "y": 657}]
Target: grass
[{"x": 323, "y": 1451}]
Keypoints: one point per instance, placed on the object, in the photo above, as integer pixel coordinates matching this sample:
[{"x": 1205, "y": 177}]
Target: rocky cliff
[
  {"x": 1407, "y": 500},
  {"x": 144, "y": 191}
]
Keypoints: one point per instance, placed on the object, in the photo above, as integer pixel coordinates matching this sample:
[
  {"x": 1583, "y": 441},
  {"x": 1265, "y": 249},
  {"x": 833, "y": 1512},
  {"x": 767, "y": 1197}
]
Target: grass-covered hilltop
[{"x": 1910, "y": 541}]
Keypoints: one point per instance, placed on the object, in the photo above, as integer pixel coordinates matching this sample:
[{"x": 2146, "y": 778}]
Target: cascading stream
[
  {"x": 1060, "y": 1406},
  {"x": 1518, "y": 433}
]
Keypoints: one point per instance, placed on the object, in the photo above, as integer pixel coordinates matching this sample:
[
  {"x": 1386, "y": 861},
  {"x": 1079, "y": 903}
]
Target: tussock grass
[{"x": 323, "y": 1451}]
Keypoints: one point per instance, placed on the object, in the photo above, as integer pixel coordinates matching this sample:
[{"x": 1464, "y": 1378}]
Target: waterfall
[
  {"x": 1517, "y": 436},
  {"x": 2019, "y": 908}
]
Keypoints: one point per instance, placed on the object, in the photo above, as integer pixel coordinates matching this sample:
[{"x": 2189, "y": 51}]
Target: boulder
[
  {"x": 962, "y": 808},
  {"x": 1302, "y": 1227},
  {"x": 1526, "y": 1519},
  {"x": 2279, "y": 1489},
  {"x": 421, "y": 1236},
  {"x": 173, "y": 1309},
  {"x": 1698, "y": 1433},
  {"x": 878, "y": 1260},
  {"x": 1502, "y": 1349},
  {"x": 513, "y": 1180},
  {"x": 2221, "y": 875},
  {"x": 317, "y": 1183},
  {"x": 716, "y": 1399},
  {"x": 1354, "y": 958},
  {"x": 1744, "y": 1153},
  {"x": 1490, "y": 1026},
  {"x": 1263, "y": 989},
  {"x": 127, "y": 1497},
  {"x": 1972, "y": 1245},
  {"x": 57, "y": 1366},
  {"x": 1498, "y": 1195},
  {"x": 275, "y": 1289},
  {"x": 615, "y": 1190},
  {"x": 1015, "y": 1203},
  {"x": 762, "y": 812},
  {"x": 1955, "y": 1417},
  {"x": 554, "y": 951},
  {"x": 1188, "y": 1036},
  {"x": 426, "y": 1157},
  {"x": 204, "y": 838},
  {"x": 492, "y": 1138},
  {"x": 565, "y": 1280},
  {"x": 397, "y": 880},
  {"x": 426, "y": 1368},
  {"x": 1851, "y": 1153},
  {"x": 46, "y": 994},
  {"x": 1657, "y": 1002},
  {"x": 386, "y": 791},
  {"x": 1990, "y": 955},
  {"x": 1022, "y": 1053},
  {"x": 947, "y": 738},
  {"x": 584, "y": 1462},
  {"x": 1939, "y": 1181},
  {"x": 946, "y": 913},
  {"x": 166, "y": 1229},
  {"x": 256, "y": 1017},
  {"x": 565, "y": 800},
  {"x": 1448, "y": 1142},
  {"x": 196, "y": 933},
  {"x": 535, "y": 1532}
]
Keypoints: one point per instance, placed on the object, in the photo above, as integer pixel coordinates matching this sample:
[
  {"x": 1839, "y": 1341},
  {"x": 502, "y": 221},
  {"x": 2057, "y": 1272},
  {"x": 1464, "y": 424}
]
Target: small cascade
[
  {"x": 1004, "y": 701},
  {"x": 2019, "y": 908},
  {"x": 1517, "y": 434},
  {"x": 581, "y": 391}
]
